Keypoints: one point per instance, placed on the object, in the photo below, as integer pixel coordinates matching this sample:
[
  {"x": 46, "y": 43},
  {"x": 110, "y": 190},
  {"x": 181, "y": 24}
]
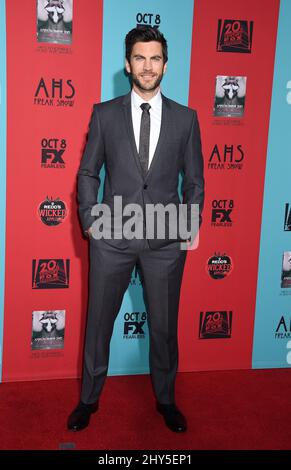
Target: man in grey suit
[{"x": 145, "y": 141}]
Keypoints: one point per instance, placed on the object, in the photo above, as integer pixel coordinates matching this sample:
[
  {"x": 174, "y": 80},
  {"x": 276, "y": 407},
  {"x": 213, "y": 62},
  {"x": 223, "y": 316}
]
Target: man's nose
[{"x": 147, "y": 64}]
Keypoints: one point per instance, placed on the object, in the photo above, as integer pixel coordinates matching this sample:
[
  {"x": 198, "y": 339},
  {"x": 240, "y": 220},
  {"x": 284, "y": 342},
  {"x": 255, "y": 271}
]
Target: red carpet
[{"x": 225, "y": 410}]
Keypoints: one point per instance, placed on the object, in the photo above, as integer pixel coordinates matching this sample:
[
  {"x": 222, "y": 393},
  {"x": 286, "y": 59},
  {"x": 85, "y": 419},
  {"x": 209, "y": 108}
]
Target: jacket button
[{"x": 145, "y": 186}]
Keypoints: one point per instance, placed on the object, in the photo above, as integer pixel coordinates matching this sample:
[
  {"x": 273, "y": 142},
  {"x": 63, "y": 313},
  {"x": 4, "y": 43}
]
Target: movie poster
[
  {"x": 230, "y": 94},
  {"x": 286, "y": 270},
  {"x": 48, "y": 329},
  {"x": 55, "y": 21}
]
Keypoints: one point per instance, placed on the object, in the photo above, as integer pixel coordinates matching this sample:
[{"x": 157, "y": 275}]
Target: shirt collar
[{"x": 155, "y": 101}]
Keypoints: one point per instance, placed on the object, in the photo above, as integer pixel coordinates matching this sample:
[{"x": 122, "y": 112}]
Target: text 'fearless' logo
[
  {"x": 53, "y": 92},
  {"x": 50, "y": 273},
  {"x": 152, "y": 20},
  {"x": 134, "y": 325},
  {"x": 215, "y": 324},
  {"x": 234, "y": 36},
  {"x": 219, "y": 266},
  {"x": 227, "y": 157},
  {"x": 222, "y": 212},
  {"x": 52, "y": 153},
  {"x": 52, "y": 211}
]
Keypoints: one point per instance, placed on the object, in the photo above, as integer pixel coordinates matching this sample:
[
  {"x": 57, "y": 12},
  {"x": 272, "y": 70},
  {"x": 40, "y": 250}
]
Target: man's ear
[
  {"x": 127, "y": 66},
  {"x": 165, "y": 67}
]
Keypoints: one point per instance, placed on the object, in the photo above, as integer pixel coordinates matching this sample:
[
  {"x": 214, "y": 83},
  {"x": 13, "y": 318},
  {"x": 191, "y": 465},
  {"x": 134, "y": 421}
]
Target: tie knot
[{"x": 145, "y": 106}]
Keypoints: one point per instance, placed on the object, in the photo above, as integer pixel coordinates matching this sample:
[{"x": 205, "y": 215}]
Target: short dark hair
[{"x": 145, "y": 34}]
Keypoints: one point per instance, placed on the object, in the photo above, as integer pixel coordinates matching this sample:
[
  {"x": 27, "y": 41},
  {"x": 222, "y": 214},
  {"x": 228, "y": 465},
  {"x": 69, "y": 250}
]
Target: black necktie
[{"x": 144, "y": 136}]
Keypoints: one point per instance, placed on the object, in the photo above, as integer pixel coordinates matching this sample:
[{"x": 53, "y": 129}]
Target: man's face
[{"x": 146, "y": 65}]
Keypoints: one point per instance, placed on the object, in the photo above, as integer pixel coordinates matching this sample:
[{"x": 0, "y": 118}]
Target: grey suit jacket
[{"x": 111, "y": 142}]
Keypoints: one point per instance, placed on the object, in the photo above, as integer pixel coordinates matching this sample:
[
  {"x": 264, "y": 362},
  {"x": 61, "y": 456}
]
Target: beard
[{"x": 147, "y": 86}]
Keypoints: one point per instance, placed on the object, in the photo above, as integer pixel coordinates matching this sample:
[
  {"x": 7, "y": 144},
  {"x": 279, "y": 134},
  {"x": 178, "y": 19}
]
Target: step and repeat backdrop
[{"x": 228, "y": 60}]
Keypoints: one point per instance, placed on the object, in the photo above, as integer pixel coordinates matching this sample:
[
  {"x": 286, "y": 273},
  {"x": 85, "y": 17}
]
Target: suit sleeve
[
  {"x": 193, "y": 182},
  {"x": 89, "y": 171}
]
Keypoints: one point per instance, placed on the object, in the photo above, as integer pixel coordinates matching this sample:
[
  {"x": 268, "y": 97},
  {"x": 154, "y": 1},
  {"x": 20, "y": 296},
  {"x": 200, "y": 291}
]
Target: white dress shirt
[{"x": 156, "y": 118}]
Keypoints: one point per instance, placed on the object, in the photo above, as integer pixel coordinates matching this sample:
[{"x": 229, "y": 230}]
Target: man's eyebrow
[{"x": 152, "y": 57}]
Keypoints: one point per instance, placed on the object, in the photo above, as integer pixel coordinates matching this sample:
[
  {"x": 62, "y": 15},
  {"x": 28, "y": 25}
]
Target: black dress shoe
[
  {"x": 80, "y": 417},
  {"x": 173, "y": 417}
]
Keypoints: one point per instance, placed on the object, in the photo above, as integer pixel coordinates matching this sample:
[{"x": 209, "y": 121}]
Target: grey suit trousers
[{"x": 110, "y": 273}]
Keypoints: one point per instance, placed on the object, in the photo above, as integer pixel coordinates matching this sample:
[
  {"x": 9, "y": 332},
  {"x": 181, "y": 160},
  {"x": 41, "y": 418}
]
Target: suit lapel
[{"x": 163, "y": 132}]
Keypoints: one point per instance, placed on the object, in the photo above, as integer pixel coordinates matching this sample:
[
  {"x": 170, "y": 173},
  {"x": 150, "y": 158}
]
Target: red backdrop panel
[
  {"x": 28, "y": 184},
  {"x": 235, "y": 293}
]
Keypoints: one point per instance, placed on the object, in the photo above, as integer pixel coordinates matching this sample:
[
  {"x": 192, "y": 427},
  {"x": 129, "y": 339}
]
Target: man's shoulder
[
  {"x": 110, "y": 104},
  {"x": 180, "y": 108}
]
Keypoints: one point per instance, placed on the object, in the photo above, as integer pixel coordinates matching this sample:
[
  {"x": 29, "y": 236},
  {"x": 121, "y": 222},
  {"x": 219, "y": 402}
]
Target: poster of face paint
[
  {"x": 230, "y": 93},
  {"x": 286, "y": 270},
  {"x": 48, "y": 329},
  {"x": 55, "y": 21}
]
